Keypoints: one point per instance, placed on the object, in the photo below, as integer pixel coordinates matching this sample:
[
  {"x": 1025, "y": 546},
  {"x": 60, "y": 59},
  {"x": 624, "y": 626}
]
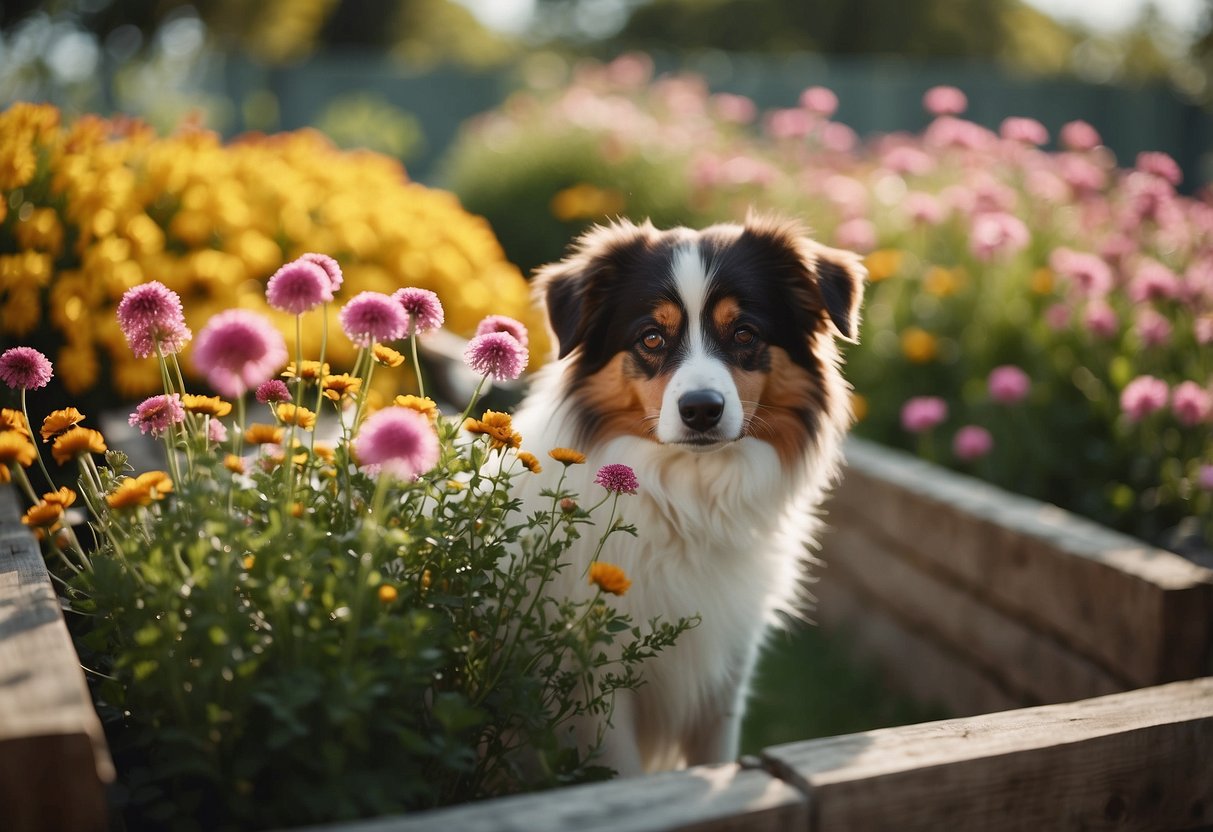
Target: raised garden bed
[{"x": 972, "y": 598}]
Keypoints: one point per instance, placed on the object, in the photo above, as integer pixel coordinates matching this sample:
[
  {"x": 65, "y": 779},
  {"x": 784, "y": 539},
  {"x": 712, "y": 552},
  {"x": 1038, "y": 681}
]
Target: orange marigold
[
  {"x": 260, "y": 433},
  {"x": 59, "y": 421},
  {"x": 206, "y": 405},
  {"x": 422, "y": 404},
  {"x": 529, "y": 461},
  {"x": 293, "y": 414},
  {"x": 341, "y": 386},
  {"x": 43, "y": 515},
  {"x": 76, "y": 442},
  {"x": 13, "y": 421},
  {"x": 567, "y": 456},
  {"x": 498, "y": 427},
  {"x": 609, "y": 578},
  {"x": 15, "y": 448},
  {"x": 387, "y": 356},
  {"x": 63, "y": 497},
  {"x": 308, "y": 370}
]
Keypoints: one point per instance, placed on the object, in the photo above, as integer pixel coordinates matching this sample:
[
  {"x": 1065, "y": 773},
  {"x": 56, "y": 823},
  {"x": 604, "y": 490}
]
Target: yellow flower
[
  {"x": 234, "y": 464},
  {"x": 609, "y": 578},
  {"x": 422, "y": 404},
  {"x": 206, "y": 405},
  {"x": 158, "y": 483},
  {"x": 130, "y": 493},
  {"x": 59, "y": 421},
  {"x": 387, "y": 593},
  {"x": 309, "y": 370},
  {"x": 247, "y": 561},
  {"x": 77, "y": 442},
  {"x": 942, "y": 282},
  {"x": 859, "y": 406},
  {"x": 567, "y": 456},
  {"x": 1042, "y": 280},
  {"x": 44, "y": 515},
  {"x": 883, "y": 263},
  {"x": 64, "y": 497},
  {"x": 387, "y": 356},
  {"x": 300, "y": 416},
  {"x": 498, "y": 427},
  {"x": 529, "y": 461},
  {"x": 339, "y": 387},
  {"x": 259, "y": 433},
  {"x": 14, "y": 421},
  {"x": 919, "y": 346}
]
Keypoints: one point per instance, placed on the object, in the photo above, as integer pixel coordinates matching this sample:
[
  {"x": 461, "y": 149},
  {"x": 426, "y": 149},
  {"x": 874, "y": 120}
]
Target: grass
[{"x": 810, "y": 684}]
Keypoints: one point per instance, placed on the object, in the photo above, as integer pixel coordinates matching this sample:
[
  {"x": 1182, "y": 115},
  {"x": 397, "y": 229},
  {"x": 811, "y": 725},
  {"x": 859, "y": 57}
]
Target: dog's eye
[
  {"x": 653, "y": 341},
  {"x": 744, "y": 336}
]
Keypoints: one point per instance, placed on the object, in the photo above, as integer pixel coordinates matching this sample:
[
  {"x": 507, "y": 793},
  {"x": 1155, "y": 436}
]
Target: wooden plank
[
  {"x": 1129, "y": 761},
  {"x": 47, "y": 721},
  {"x": 1143, "y": 613},
  {"x": 1033, "y": 667},
  {"x": 701, "y": 799},
  {"x": 911, "y": 660}
]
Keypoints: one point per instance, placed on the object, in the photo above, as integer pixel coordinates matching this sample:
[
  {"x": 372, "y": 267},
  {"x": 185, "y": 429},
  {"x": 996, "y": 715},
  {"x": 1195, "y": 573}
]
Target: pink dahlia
[
  {"x": 502, "y": 323},
  {"x": 373, "y": 317},
  {"x": 423, "y": 309},
  {"x": 1008, "y": 384},
  {"x": 331, "y": 269},
  {"x": 150, "y": 316},
  {"x": 1142, "y": 396},
  {"x": 1191, "y": 403},
  {"x": 299, "y": 286},
  {"x": 397, "y": 441},
  {"x": 972, "y": 442},
  {"x": 157, "y": 414},
  {"x": 498, "y": 355},
  {"x": 25, "y": 368},
  {"x": 617, "y": 478},
  {"x": 944, "y": 101},
  {"x": 237, "y": 350},
  {"x": 921, "y": 413},
  {"x": 273, "y": 392}
]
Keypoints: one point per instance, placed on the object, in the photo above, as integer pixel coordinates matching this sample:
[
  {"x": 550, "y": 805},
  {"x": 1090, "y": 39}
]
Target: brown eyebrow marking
[
  {"x": 725, "y": 312},
  {"x": 668, "y": 316}
]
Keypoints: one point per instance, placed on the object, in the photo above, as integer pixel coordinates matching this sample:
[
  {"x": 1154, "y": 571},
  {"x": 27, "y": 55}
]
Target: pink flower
[
  {"x": 216, "y": 431},
  {"x": 1100, "y": 319},
  {"x": 1153, "y": 281},
  {"x": 273, "y": 391},
  {"x": 503, "y": 323},
  {"x": 1204, "y": 477},
  {"x": 372, "y": 317},
  {"x": 921, "y": 413},
  {"x": 944, "y": 101},
  {"x": 1191, "y": 403},
  {"x": 157, "y": 414},
  {"x": 858, "y": 234},
  {"x": 819, "y": 101},
  {"x": 1026, "y": 130},
  {"x": 1152, "y": 328},
  {"x": 1079, "y": 136},
  {"x": 1160, "y": 165},
  {"x": 1142, "y": 396},
  {"x": 1008, "y": 384},
  {"x": 25, "y": 368},
  {"x": 1203, "y": 329},
  {"x": 238, "y": 350},
  {"x": 423, "y": 309},
  {"x": 907, "y": 159},
  {"x": 150, "y": 316},
  {"x": 1057, "y": 317},
  {"x": 397, "y": 441},
  {"x": 734, "y": 108},
  {"x": 997, "y": 236},
  {"x": 330, "y": 267},
  {"x": 1081, "y": 174},
  {"x": 838, "y": 137},
  {"x": 972, "y": 442},
  {"x": 922, "y": 208},
  {"x": 617, "y": 478},
  {"x": 496, "y": 354},
  {"x": 790, "y": 124},
  {"x": 298, "y": 287},
  {"x": 1091, "y": 274}
]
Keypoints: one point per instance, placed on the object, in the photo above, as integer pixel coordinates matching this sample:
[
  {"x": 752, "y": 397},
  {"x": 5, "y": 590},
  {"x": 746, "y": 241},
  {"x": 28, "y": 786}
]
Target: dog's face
[{"x": 697, "y": 339}]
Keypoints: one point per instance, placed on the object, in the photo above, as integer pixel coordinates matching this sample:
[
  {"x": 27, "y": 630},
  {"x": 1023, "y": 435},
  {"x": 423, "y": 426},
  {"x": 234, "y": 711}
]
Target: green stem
[
  {"x": 416, "y": 363},
  {"x": 50, "y": 483}
]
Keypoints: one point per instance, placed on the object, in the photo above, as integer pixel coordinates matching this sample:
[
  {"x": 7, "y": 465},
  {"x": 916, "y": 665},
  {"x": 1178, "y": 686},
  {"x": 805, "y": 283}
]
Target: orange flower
[
  {"x": 234, "y": 464},
  {"x": 609, "y": 578},
  {"x": 157, "y": 483},
  {"x": 529, "y": 461},
  {"x": 44, "y": 515},
  {"x": 388, "y": 593},
  {"x": 387, "y": 356},
  {"x": 339, "y": 387},
  {"x": 64, "y": 497},
  {"x": 259, "y": 433},
  {"x": 300, "y": 416},
  {"x": 422, "y": 404},
  {"x": 206, "y": 405},
  {"x": 76, "y": 442},
  {"x": 883, "y": 263},
  {"x": 15, "y": 448},
  {"x": 13, "y": 421},
  {"x": 498, "y": 427},
  {"x": 919, "y": 346},
  {"x": 567, "y": 456},
  {"x": 59, "y": 421},
  {"x": 309, "y": 370},
  {"x": 130, "y": 493}
]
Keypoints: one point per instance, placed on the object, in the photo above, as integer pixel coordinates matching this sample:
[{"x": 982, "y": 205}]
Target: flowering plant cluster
[
  {"x": 319, "y": 609},
  {"x": 92, "y": 208},
  {"x": 1040, "y": 317}
]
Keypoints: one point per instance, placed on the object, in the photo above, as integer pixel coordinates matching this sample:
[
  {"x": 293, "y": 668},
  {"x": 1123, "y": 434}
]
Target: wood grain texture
[
  {"x": 1144, "y": 614},
  {"x": 53, "y": 758},
  {"x": 1130, "y": 761},
  {"x": 703, "y": 799}
]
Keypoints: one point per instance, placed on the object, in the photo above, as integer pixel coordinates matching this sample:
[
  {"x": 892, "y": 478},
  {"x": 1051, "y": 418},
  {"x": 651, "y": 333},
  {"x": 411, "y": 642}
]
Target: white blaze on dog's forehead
[{"x": 691, "y": 280}]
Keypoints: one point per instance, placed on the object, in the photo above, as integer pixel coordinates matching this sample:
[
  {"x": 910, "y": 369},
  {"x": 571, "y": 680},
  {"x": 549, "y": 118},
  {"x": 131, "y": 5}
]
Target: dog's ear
[
  {"x": 560, "y": 288},
  {"x": 840, "y": 280}
]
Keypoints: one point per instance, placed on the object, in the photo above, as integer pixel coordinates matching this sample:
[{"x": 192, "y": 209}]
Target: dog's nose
[{"x": 701, "y": 409}]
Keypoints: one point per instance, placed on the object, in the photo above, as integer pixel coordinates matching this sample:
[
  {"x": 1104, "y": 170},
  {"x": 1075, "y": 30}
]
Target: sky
[{"x": 512, "y": 15}]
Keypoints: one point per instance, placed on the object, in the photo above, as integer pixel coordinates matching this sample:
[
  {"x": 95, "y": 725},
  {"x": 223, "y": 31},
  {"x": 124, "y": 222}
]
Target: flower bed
[{"x": 1041, "y": 318}]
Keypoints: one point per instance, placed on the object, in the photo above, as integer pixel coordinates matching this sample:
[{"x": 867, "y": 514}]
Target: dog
[{"x": 706, "y": 361}]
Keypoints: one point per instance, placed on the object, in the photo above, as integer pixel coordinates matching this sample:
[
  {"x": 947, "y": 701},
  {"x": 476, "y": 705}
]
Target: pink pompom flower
[
  {"x": 819, "y": 101},
  {"x": 922, "y": 413},
  {"x": 151, "y": 317},
  {"x": 1100, "y": 319},
  {"x": 1026, "y": 130},
  {"x": 424, "y": 310},
  {"x": 298, "y": 287},
  {"x": 157, "y": 414},
  {"x": 944, "y": 100},
  {"x": 997, "y": 235},
  {"x": 1152, "y": 327},
  {"x": 972, "y": 442},
  {"x": 273, "y": 392},
  {"x": 1191, "y": 403},
  {"x": 1079, "y": 136},
  {"x": 1089, "y": 272},
  {"x": 503, "y": 323},
  {"x": 1142, "y": 396},
  {"x": 330, "y": 266},
  {"x": 617, "y": 478},
  {"x": 1161, "y": 165},
  {"x": 1008, "y": 384},
  {"x": 24, "y": 368},
  {"x": 237, "y": 350},
  {"x": 396, "y": 441},
  {"x": 498, "y": 355},
  {"x": 373, "y": 317}
]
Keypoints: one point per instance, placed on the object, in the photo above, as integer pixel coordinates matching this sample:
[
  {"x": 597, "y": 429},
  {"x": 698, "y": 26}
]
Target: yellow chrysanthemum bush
[
  {"x": 91, "y": 208},
  {"x": 316, "y": 610}
]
